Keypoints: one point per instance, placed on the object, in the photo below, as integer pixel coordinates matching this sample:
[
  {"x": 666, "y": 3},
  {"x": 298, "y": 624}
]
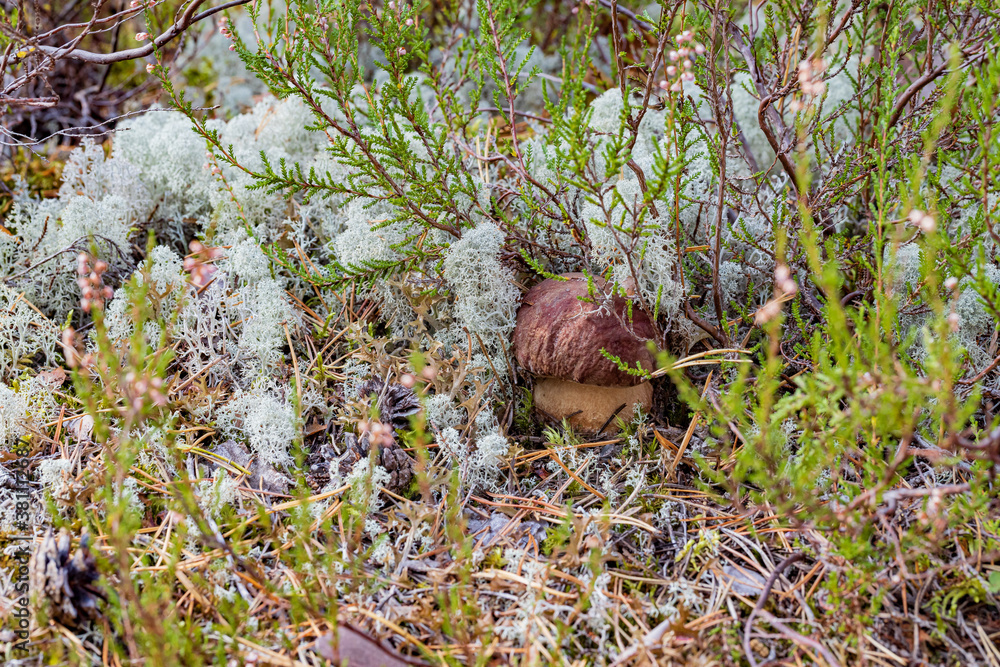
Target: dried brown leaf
[{"x": 355, "y": 648}]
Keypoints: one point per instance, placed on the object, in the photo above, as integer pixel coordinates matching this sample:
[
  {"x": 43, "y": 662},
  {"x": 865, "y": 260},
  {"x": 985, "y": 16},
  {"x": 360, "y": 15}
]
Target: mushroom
[{"x": 558, "y": 338}]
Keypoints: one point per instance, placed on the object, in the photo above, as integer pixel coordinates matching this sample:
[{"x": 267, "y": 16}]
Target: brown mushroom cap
[{"x": 559, "y": 336}]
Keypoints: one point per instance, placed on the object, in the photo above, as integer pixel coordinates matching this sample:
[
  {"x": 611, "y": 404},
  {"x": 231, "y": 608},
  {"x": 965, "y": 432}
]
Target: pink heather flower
[
  {"x": 922, "y": 221},
  {"x": 196, "y": 264},
  {"x": 767, "y": 312},
  {"x": 380, "y": 434},
  {"x": 141, "y": 36},
  {"x": 69, "y": 347},
  {"x": 783, "y": 279},
  {"x": 150, "y": 67},
  {"x": 93, "y": 291},
  {"x": 671, "y": 70},
  {"x": 951, "y": 283}
]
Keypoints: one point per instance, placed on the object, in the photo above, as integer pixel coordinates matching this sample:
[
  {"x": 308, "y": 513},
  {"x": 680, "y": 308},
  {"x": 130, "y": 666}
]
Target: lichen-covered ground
[{"x": 253, "y": 414}]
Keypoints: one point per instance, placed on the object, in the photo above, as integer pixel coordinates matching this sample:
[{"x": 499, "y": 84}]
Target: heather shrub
[
  {"x": 817, "y": 220},
  {"x": 294, "y": 395}
]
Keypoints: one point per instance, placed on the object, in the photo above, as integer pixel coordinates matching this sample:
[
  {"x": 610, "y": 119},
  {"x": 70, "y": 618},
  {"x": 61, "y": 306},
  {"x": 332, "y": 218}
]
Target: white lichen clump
[
  {"x": 216, "y": 494},
  {"x": 366, "y": 483},
  {"x": 265, "y": 313},
  {"x": 442, "y": 412},
  {"x": 638, "y": 254},
  {"x": 479, "y": 460},
  {"x": 13, "y": 414},
  {"x": 23, "y": 333},
  {"x": 265, "y": 418},
  {"x": 486, "y": 298},
  {"x": 163, "y": 145},
  {"x": 100, "y": 203},
  {"x": 56, "y": 477}
]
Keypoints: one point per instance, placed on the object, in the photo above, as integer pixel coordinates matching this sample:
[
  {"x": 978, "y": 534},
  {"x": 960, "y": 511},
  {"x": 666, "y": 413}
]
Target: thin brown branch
[{"x": 187, "y": 20}]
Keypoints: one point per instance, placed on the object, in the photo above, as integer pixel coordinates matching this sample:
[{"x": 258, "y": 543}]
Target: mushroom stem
[{"x": 588, "y": 407}]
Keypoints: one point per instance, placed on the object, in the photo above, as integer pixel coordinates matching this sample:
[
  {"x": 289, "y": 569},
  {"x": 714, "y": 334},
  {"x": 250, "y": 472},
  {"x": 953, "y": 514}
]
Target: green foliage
[{"x": 803, "y": 200}]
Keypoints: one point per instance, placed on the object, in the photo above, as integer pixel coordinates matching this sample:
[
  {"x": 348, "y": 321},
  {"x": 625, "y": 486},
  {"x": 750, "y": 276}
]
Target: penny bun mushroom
[{"x": 558, "y": 338}]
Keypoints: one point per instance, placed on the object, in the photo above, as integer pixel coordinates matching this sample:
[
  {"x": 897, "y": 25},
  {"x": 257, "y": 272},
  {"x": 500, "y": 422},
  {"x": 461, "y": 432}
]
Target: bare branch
[{"x": 142, "y": 51}]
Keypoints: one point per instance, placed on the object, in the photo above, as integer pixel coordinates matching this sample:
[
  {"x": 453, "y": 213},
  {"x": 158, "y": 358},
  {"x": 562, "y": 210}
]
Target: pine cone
[
  {"x": 318, "y": 466},
  {"x": 395, "y": 402},
  {"x": 399, "y": 464},
  {"x": 67, "y": 583},
  {"x": 324, "y": 461},
  {"x": 396, "y": 462}
]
